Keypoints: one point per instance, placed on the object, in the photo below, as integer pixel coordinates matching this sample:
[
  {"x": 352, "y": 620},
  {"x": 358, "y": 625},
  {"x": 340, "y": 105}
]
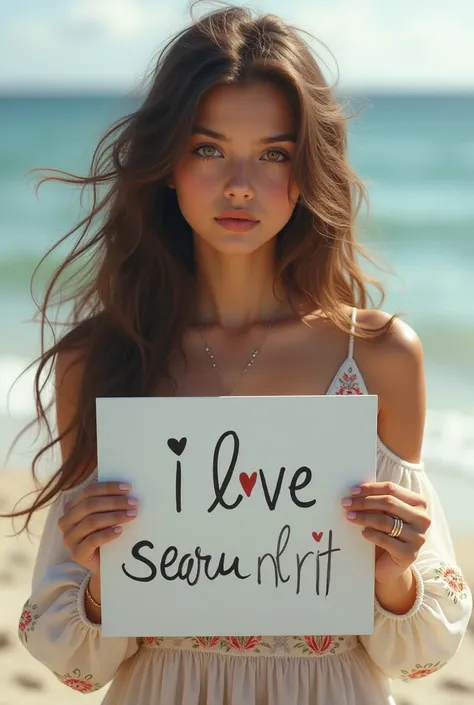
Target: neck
[{"x": 235, "y": 291}]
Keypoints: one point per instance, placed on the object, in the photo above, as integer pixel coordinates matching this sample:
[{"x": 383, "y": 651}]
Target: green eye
[
  {"x": 206, "y": 150},
  {"x": 273, "y": 155}
]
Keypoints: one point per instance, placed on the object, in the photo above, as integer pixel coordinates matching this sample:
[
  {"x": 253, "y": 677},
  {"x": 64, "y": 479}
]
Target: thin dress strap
[{"x": 351, "y": 337}]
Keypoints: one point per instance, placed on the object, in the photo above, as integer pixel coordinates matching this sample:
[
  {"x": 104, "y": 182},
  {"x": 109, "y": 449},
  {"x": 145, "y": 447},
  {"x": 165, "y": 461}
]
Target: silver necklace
[{"x": 255, "y": 352}]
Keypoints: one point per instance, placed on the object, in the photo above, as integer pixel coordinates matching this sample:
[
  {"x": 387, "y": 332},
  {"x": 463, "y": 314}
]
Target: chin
[
  {"x": 235, "y": 243},
  {"x": 238, "y": 248}
]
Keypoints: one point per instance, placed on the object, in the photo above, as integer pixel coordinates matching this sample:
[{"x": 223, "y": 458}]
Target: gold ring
[{"x": 397, "y": 528}]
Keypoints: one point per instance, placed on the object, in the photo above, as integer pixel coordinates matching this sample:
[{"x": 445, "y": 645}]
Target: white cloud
[
  {"x": 117, "y": 18},
  {"x": 32, "y": 34},
  {"x": 441, "y": 35},
  {"x": 389, "y": 45},
  {"x": 396, "y": 49},
  {"x": 97, "y": 20}
]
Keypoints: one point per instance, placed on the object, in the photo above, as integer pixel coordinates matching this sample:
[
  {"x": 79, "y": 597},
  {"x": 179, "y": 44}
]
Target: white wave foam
[
  {"x": 448, "y": 443},
  {"x": 16, "y": 393},
  {"x": 449, "y": 440}
]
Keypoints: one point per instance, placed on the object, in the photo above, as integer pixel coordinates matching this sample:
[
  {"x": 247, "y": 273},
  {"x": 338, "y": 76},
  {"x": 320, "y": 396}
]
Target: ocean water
[{"x": 415, "y": 154}]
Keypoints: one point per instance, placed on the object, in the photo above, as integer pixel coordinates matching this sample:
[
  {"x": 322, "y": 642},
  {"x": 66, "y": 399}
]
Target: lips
[
  {"x": 237, "y": 214},
  {"x": 237, "y": 224}
]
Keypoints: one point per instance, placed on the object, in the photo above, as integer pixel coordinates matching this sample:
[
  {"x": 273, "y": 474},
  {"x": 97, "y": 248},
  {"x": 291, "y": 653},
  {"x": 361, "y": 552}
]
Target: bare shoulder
[
  {"x": 393, "y": 368},
  {"x": 69, "y": 372},
  {"x": 400, "y": 342}
]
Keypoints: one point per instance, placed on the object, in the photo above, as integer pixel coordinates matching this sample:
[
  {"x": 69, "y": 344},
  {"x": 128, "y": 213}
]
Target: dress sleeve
[
  {"x": 53, "y": 625},
  {"x": 417, "y": 643}
]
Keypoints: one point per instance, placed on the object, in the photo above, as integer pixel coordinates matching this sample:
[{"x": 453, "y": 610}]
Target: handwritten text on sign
[{"x": 240, "y": 528}]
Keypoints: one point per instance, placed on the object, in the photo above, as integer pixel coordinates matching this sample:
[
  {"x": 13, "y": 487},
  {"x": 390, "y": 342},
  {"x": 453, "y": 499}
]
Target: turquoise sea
[{"x": 416, "y": 156}]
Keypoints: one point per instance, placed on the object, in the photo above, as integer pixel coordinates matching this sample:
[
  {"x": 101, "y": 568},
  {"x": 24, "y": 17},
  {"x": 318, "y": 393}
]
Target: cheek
[
  {"x": 196, "y": 192},
  {"x": 190, "y": 178},
  {"x": 275, "y": 190},
  {"x": 198, "y": 182},
  {"x": 294, "y": 194}
]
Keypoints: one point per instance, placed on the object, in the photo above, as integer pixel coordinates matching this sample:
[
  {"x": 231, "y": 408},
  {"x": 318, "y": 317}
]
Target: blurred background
[{"x": 68, "y": 69}]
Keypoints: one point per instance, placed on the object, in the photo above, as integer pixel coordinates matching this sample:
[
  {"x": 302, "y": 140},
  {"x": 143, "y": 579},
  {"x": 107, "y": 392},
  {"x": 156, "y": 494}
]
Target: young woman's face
[{"x": 238, "y": 160}]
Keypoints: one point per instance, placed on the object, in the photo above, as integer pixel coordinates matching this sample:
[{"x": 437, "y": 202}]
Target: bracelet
[{"x": 89, "y": 596}]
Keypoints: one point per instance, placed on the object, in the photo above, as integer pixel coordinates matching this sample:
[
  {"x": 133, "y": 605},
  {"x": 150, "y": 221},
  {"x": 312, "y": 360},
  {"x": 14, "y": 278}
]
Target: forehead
[{"x": 262, "y": 108}]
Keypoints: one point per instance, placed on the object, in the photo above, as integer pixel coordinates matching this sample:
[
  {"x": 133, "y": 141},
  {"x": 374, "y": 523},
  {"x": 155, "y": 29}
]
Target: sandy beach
[{"x": 23, "y": 681}]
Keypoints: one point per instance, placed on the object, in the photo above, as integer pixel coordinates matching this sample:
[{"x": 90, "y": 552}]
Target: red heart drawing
[
  {"x": 317, "y": 537},
  {"x": 248, "y": 483}
]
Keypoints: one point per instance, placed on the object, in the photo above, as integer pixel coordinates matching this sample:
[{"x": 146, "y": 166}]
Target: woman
[{"x": 225, "y": 263}]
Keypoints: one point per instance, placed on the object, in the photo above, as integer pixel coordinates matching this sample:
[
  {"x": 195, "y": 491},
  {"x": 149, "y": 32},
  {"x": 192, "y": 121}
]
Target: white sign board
[{"x": 240, "y": 528}]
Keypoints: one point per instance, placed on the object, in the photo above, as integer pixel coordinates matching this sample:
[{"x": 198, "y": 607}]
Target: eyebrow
[{"x": 284, "y": 137}]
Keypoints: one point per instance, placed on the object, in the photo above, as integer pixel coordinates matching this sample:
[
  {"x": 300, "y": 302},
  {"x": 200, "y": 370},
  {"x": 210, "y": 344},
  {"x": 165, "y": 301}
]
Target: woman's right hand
[{"x": 93, "y": 518}]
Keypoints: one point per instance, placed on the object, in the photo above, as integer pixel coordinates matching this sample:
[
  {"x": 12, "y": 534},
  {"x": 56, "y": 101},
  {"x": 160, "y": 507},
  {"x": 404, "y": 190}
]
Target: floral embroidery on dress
[
  {"x": 456, "y": 586},
  {"x": 308, "y": 646},
  {"x": 280, "y": 644},
  {"x": 420, "y": 671},
  {"x": 348, "y": 383},
  {"x": 205, "y": 642},
  {"x": 152, "y": 640},
  {"x": 319, "y": 645},
  {"x": 76, "y": 681},
  {"x": 241, "y": 643},
  {"x": 28, "y": 620}
]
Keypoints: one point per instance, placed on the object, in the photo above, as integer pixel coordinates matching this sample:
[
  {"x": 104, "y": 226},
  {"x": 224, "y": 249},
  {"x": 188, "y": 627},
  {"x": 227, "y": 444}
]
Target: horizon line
[{"x": 356, "y": 91}]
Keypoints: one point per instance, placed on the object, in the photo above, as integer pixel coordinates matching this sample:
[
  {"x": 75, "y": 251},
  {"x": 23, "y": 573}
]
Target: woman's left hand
[{"x": 375, "y": 506}]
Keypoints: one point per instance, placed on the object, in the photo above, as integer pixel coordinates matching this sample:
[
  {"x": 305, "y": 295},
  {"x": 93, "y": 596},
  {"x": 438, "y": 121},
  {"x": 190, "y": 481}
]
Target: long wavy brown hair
[{"x": 132, "y": 265}]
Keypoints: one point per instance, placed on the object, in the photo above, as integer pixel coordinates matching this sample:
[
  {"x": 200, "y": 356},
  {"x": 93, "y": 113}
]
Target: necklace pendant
[{"x": 255, "y": 352}]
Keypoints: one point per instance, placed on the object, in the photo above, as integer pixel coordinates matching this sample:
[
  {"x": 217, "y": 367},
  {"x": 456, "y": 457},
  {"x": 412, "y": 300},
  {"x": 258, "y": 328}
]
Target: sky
[{"x": 109, "y": 45}]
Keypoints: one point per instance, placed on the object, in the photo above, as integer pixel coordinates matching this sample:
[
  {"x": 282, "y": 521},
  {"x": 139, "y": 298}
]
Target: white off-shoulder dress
[{"x": 253, "y": 670}]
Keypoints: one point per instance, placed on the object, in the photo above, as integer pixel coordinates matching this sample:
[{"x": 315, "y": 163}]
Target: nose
[{"x": 238, "y": 184}]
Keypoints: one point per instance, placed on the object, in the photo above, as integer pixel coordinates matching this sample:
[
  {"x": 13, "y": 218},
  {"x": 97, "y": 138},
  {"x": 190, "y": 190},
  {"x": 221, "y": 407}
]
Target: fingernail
[
  {"x": 346, "y": 502},
  {"x": 124, "y": 486},
  {"x": 355, "y": 490},
  {"x": 351, "y": 515},
  {"x": 131, "y": 512},
  {"x": 132, "y": 502}
]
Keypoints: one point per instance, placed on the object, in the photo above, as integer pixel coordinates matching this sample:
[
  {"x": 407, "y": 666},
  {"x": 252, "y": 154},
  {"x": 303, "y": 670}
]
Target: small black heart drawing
[{"x": 177, "y": 446}]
